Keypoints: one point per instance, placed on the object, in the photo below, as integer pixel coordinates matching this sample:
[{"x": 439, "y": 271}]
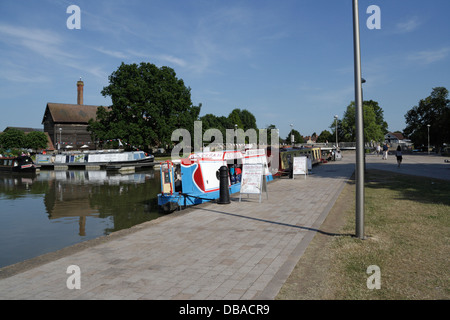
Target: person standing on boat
[
  {"x": 238, "y": 174},
  {"x": 232, "y": 175}
]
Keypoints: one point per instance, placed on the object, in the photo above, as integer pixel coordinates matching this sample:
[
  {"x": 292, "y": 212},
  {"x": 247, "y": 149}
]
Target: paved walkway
[
  {"x": 242, "y": 250},
  {"x": 433, "y": 166}
]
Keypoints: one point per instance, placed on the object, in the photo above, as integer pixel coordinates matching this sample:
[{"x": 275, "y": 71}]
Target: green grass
[
  {"x": 407, "y": 229},
  {"x": 407, "y": 224}
]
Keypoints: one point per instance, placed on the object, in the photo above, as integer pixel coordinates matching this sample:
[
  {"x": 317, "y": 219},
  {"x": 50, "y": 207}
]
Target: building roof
[
  {"x": 70, "y": 113},
  {"x": 26, "y": 130},
  {"x": 398, "y": 135}
]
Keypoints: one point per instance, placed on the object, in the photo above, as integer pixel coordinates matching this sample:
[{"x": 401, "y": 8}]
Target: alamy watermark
[
  {"x": 74, "y": 280},
  {"x": 374, "y": 21},
  {"x": 74, "y": 20},
  {"x": 235, "y": 139},
  {"x": 374, "y": 280}
]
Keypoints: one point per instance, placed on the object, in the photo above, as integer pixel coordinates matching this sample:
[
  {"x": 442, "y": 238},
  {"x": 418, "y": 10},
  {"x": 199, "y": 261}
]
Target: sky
[{"x": 289, "y": 62}]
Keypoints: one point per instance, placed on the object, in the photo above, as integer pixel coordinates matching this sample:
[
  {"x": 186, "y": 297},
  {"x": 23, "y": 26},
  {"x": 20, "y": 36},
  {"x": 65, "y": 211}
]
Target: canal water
[{"x": 51, "y": 210}]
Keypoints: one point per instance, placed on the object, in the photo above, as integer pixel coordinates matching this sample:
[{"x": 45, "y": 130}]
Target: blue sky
[{"x": 287, "y": 62}]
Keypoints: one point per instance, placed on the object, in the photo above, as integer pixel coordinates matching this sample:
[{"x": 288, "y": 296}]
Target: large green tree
[
  {"x": 374, "y": 125},
  {"x": 148, "y": 104},
  {"x": 434, "y": 111},
  {"x": 35, "y": 140},
  {"x": 12, "y": 138},
  {"x": 326, "y": 136}
]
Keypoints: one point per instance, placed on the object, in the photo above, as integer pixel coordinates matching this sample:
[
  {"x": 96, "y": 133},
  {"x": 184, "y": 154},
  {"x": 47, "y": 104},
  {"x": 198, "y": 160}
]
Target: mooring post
[{"x": 224, "y": 192}]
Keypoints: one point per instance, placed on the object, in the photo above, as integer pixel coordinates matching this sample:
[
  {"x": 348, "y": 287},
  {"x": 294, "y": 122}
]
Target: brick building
[{"x": 66, "y": 124}]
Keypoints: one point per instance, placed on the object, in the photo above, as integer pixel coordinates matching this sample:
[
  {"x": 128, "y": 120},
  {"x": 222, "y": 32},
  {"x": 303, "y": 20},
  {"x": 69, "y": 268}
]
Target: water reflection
[{"x": 53, "y": 209}]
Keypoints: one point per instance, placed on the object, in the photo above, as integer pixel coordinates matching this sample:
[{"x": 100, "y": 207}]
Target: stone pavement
[{"x": 242, "y": 250}]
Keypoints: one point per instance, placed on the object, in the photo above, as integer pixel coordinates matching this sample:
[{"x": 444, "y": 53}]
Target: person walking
[
  {"x": 398, "y": 154},
  {"x": 378, "y": 149},
  {"x": 385, "y": 151}
]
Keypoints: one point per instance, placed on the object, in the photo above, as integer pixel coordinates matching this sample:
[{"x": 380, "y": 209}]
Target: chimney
[{"x": 80, "y": 85}]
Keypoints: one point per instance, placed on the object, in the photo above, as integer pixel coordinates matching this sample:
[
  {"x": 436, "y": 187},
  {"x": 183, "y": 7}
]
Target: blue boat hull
[{"x": 170, "y": 202}]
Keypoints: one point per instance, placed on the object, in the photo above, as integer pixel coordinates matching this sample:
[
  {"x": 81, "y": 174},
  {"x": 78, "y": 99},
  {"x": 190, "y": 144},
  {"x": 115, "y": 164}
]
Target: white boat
[{"x": 98, "y": 158}]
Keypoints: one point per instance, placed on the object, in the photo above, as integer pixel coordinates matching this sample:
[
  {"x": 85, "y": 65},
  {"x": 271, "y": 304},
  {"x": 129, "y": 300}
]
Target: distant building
[
  {"x": 395, "y": 137},
  {"x": 66, "y": 124}
]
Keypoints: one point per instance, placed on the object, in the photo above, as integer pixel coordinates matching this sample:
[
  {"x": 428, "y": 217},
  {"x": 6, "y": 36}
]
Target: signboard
[
  {"x": 300, "y": 166},
  {"x": 253, "y": 180}
]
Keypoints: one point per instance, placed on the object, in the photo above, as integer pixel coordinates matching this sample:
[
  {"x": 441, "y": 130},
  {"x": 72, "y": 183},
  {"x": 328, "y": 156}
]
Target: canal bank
[{"x": 242, "y": 250}]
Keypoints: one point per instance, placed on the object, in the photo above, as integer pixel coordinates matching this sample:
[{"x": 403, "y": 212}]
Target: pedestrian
[
  {"x": 378, "y": 149},
  {"x": 398, "y": 153},
  {"x": 385, "y": 151}
]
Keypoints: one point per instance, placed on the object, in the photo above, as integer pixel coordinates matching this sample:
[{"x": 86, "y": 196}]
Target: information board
[
  {"x": 300, "y": 166},
  {"x": 253, "y": 180}
]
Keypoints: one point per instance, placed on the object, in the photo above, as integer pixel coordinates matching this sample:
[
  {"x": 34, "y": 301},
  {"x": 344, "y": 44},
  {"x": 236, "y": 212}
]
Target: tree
[
  {"x": 35, "y": 140},
  {"x": 148, "y": 104},
  {"x": 434, "y": 111},
  {"x": 243, "y": 118},
  {"x": 374, "y": 125},
  {"x": 12, "y": 138},
  {"x": 297, "y": 137},
  {"x": 326, "y": 136}
]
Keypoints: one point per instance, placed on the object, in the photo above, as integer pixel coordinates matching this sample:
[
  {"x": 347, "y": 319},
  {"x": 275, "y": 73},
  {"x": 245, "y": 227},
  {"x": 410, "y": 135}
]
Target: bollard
[{"x": 224, "y": 192}]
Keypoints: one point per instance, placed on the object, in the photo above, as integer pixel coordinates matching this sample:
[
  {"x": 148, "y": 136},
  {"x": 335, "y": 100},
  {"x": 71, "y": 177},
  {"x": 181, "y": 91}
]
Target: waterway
[{"x": 48, "y": 211}]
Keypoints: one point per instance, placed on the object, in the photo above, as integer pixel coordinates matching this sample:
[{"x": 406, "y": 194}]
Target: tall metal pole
[
  {"x": 359, "y": 127},
  {"x": 335, "y": 120}
]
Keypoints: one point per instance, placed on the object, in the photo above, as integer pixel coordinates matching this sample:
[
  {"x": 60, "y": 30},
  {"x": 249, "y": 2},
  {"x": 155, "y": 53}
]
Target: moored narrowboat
[
  {"x": 17, "y": 164},
  {"x": 195, "y": 180}
]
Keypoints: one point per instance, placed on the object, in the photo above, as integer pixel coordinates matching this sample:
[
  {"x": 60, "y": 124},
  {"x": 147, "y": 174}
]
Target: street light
[
  {"x": 292, "y": 136},
  {"x": 428, "y": 138},
  {"x": 60, "y": 140},
  {"x": 359, "y": 214},
  {"x": 335, "y": 120}
]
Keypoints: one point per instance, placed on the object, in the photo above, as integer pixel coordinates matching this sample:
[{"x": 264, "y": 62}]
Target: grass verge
[{"x": 407, "y": 225}]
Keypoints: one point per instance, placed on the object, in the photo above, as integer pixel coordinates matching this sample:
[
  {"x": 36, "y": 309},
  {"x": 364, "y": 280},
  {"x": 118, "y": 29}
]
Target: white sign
[
  {"x": 252, "y": 174},
  {"x": 300, "y": 166},
  {"x": 253, "y": 179}
]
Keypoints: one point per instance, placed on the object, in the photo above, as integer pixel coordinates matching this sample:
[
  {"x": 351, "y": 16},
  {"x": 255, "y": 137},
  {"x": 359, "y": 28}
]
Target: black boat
[{"x": 17, "y": 164}]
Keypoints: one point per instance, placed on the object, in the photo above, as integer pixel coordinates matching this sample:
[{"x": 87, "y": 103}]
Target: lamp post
[
  {"x": 60, "y": 139},
  {"x": 335, "y": 121},
  {"x": 428, "y": 138},
  {"x": 359, "y": 215},
  {"x": 292, "y": 136}
]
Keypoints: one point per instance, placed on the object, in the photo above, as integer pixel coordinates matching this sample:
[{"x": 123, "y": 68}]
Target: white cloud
[
  {"x": 408, "y": 26},
  {"x": 430, "y": 56},
  {"x": 114, "y": 54}
]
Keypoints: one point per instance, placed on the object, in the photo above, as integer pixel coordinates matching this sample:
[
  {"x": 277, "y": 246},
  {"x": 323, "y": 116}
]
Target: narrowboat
[
  {"x": 195, "y": 179},
  {"x": 101, "y": 157},
  {"x": 17, "y": 164},
  {"x": 286, "y": 156}
]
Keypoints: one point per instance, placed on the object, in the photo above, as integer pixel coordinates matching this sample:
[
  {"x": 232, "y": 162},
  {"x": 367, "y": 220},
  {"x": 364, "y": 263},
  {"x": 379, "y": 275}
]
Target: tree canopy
[
  {"x": 14, "y": 138},
  {"x": 434, "y": 110},
  {"x": 374, "y": 125},
  {"x": 148, "y": 104}
]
